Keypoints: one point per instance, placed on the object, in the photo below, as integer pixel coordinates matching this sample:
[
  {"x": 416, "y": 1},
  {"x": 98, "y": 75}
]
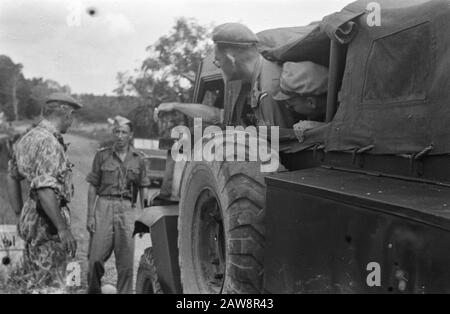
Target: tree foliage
[
  {"x": 168, "y": 73},
  {"x": 22, "y": 98},
  {"x": 10, "y": 79}
]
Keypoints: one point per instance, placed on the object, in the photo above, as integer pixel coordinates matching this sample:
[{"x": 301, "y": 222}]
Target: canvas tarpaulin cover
[
  {"x": 312, "y": 44},
  {"x": 277, "y": 37},
  {"x": 395, "y": 93}
]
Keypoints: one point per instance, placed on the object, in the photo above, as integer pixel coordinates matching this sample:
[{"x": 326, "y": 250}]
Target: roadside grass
[
  {"x": 23, "y": 279},
  {"x": 20, "y": 279}
]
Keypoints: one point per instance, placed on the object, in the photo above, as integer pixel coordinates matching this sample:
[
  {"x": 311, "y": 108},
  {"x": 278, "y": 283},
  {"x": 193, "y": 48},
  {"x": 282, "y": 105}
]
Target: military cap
[
  {"x": 64, "y": 98},
  {"x": 119, "y": 121},
  {"x": 302, "y": 79},
  {"x": 234, "y": 34}
]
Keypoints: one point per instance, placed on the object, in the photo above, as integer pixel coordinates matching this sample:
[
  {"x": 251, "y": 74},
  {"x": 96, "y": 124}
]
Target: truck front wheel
[
  {"x": 147, "y": 278},
  {"x": 221, "y": 227}
]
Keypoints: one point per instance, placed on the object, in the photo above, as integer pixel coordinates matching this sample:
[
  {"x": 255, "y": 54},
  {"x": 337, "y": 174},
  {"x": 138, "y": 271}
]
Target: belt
[{"x": 117, "y": 197}]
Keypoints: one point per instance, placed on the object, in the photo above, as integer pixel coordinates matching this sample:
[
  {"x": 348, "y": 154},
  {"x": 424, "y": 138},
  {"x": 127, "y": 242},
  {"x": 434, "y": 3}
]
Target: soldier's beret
[
  {"x": 234, "y": 34},
  {"x": 119, "y": 121},
  {"x": 64, "y": 98}
]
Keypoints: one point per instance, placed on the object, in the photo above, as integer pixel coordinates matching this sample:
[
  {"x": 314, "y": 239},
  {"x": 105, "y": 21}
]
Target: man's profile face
[
  {"x": 122, "y": 135},
  {"x": 67, "y": 120},
  {"x": 225, "y": 64}
]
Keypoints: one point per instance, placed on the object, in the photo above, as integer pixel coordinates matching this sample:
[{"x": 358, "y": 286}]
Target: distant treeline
[
  {"x": 98, "y": 108},
  {"x": 22, "y": 98}
]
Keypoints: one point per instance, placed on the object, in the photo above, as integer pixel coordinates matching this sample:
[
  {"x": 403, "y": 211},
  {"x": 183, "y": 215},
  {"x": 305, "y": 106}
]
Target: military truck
[{"x": 363, "y": 203}]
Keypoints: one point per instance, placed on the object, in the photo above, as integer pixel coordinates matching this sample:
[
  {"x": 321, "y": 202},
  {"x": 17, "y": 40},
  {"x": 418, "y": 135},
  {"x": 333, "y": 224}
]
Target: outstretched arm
[{"x": 207, "y": 113}]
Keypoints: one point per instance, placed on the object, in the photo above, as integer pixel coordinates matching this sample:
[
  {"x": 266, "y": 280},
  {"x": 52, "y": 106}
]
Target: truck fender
[{"x": 152, "y": 214}]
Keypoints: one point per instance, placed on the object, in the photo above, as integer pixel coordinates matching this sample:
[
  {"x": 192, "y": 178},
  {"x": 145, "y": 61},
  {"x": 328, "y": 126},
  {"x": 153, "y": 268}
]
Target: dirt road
[{"x": 80, "y": 152}]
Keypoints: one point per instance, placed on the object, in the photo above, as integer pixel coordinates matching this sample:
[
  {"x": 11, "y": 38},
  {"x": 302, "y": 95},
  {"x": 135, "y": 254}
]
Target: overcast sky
[{"x": 45, "y": 36}]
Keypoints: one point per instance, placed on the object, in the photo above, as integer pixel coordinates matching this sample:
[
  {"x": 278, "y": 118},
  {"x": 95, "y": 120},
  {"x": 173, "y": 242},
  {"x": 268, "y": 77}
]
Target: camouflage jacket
[{"x": 39, "y": 157}]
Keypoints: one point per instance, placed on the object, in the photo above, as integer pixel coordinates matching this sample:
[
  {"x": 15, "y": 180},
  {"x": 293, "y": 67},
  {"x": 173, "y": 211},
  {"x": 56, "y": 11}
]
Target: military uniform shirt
[
  {"x": 265, "y": 85},
  {"x": 112, "y": 177}
]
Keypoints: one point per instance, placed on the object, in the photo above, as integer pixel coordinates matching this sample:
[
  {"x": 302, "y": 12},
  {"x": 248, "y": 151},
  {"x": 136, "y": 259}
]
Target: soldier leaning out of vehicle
[
  {"x": 237, "y": 56},
  {"x": 303, "y": 89},
  {"x": 118, "y": 173}
]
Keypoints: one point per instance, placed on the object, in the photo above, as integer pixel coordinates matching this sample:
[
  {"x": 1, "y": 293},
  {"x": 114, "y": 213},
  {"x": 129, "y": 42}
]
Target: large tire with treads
[
  {"x": 147, "y": 281},
  {"x": 239, "y": 191}
]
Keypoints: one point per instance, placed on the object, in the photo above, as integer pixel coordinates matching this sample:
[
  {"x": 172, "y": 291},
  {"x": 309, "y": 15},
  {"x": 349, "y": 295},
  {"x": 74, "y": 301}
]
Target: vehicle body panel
[
  {"x": 164, "y": 235},
  {"x": 332, "y": 224}
]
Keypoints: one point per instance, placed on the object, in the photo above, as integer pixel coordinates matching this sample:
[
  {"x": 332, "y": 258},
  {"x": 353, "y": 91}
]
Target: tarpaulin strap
[
  {"x": 418, "y": 156},
  {"x": 365, "y": 149},
  {"x": 316, "y": 148},
  {"x": 340, "y": 26},
  {"x": 424, "y": 152},
  {"x": 358, "y": 151}
]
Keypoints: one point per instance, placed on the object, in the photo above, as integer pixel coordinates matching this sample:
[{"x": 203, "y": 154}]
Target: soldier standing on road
[
  {"x": 236, "y": 54},
  {"x": 40, "y": 158},
  {"x": 118, "y": 174}
]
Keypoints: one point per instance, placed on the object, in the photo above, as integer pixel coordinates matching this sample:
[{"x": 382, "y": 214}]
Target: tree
[
  {"x": 21, "y": 97},
  {"x": 168, "y": 73},
  {"x": 10, "y": 77}
]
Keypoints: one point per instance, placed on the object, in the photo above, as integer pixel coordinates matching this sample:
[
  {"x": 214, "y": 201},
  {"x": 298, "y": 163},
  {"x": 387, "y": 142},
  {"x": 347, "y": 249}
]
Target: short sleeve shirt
[{"x": 113, "y": 177}]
